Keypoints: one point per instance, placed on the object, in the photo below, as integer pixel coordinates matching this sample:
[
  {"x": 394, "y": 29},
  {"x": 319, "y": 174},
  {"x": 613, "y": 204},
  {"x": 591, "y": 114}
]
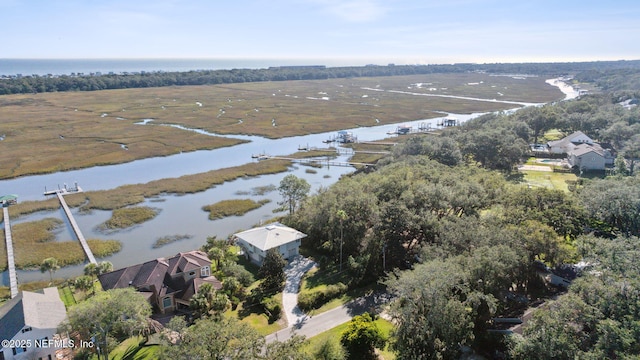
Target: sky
[{"x": 399, "y": 31}]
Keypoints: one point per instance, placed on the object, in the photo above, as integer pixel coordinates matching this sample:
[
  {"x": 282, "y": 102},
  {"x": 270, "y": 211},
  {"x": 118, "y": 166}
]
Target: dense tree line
[
  {"x": 75, "y": 82},
  {"x": 460, "y": 241}
]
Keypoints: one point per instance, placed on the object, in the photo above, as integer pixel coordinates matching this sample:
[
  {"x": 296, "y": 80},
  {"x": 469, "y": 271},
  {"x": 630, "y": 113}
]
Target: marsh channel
[{"x": 183, "y": 214}]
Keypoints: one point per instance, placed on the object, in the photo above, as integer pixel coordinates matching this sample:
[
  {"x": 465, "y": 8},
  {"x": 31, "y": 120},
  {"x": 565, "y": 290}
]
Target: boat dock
[
  {"x": 424, "y": 128},
  {"x": 13, "y": 278},
  {"x": 311, "y": 161},
  {"x": 342, "y": 151},
  {"x": 60, "y": 194}
]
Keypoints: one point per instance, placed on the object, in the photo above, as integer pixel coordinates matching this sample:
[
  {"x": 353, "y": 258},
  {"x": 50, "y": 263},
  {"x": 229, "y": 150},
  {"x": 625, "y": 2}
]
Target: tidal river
[{"x": 183, "y": 215}]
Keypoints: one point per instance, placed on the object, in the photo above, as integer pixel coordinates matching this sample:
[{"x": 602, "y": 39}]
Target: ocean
[{"x": 25, "y": 67}]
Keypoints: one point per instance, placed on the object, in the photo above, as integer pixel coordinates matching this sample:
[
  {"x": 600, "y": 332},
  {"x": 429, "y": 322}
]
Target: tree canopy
[{"x": 117, "y": 313}]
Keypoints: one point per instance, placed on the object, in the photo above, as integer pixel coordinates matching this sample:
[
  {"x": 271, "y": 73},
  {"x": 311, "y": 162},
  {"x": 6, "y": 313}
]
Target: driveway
[
  {"x": 310, "y": 326},
  {"x": 294, "y": 271}
]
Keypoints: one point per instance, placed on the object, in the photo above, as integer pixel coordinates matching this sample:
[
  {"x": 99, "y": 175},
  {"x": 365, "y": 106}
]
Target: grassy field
[
  {"x": 549, "y": 180},
  {"x": 235, "y": 207},
  {"x": 83, "y": 129},
  {"x": 334, "y": 334}
]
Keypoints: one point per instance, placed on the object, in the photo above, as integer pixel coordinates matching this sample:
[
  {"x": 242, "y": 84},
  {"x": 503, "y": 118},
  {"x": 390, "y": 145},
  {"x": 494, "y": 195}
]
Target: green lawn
[
  {"x": 549, "y": 180},
  {"x": 335, "y": 334},
  {"x": 258, "y": 320},
  {"x": 253, "y": 316},
  {"x": 552, "y": 135},
  {"x": 133, "y": 349}
]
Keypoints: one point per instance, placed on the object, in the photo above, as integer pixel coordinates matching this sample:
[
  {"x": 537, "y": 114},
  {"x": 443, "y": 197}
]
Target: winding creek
[{"x": 183, "y": 214}]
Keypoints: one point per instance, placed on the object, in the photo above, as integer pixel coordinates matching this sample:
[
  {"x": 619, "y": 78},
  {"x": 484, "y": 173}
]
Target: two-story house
[
  {"x": 255, "y": 242},
  {"x": 167, "y": 283},
  {"x": 29, "y": 322}
]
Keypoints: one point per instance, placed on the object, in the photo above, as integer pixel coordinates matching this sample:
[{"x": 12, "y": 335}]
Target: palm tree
[
  {"x": 91, "y": 269},
  {"x": 104, "y": 267},
  {"x": 216, "y": 254},
  {"x": 84, "y": 283},
  {"x": 50, "y": 265}
]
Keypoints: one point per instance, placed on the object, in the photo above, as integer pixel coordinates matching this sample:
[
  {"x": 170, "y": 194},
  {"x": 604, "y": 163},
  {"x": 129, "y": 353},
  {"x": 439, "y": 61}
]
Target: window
[
  {"x": 166, "y": 302},
  {"x": 205, "y": 271},
  {"x": 28, "y": 328}
]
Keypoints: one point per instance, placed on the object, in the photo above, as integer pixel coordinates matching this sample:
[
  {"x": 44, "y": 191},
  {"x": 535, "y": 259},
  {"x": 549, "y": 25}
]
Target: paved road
[{"x": 311, "y": 326}]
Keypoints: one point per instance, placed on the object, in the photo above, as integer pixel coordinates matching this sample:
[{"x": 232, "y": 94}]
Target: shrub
[
  {"x": 315, "y": 299},
  {"x": 272, "y": 307},
  {"x": 239, "y": 272}
]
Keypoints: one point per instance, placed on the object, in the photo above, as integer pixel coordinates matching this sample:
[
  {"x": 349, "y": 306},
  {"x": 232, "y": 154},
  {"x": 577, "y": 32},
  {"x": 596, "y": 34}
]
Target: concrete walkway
[{"x": 294, "y": 271}]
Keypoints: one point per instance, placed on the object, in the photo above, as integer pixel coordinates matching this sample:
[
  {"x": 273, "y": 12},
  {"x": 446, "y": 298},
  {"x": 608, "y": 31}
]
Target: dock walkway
[
  {"x": 13, "y": 278},
  {"x": 312, "y": 161},
  {"x": 76, "y": 229}
]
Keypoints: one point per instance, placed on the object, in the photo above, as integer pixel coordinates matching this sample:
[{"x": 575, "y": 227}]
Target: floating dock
[{"x": 13, "y": 278}]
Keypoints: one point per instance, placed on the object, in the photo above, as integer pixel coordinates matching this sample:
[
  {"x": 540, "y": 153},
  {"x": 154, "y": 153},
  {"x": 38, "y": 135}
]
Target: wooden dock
[
  {"x": 13, "y": 278},
  {"x": 311, "y": 161},
  {"x": 343, "y": 151},
  {"x": 74, "y": 225}
]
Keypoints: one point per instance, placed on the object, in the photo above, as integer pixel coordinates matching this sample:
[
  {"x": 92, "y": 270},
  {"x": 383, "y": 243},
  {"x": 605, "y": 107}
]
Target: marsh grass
[
  {"x": 89, "y": 139},
  {"x": 127, "y": 195},
  {"x": 165, "y": 240},
  {"x": 127, "y": 217},
  {"x": 235, "y": 207},
  {"x": 262, "y": 190},
  {"x": 34, "y": 241},
  {"x": 133, "y": 194}
]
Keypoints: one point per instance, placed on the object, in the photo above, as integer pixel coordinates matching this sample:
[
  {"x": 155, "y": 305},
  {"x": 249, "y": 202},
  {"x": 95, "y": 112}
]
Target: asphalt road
[{"x": 310, "y": 326}]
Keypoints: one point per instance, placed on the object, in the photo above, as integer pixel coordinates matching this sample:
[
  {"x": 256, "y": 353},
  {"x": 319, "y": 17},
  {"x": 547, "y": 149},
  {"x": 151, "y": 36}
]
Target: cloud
[{"x": 355, "y": 11}]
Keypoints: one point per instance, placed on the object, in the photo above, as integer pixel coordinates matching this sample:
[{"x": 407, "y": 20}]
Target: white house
[
  {"x": 567, "y": 143},
  {"x": 255, "y": 242},
  {"x": 29, "y": 322}
]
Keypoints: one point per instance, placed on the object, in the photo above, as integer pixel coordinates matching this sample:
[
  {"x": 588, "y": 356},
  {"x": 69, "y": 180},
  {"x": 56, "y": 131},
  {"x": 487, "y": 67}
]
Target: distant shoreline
[
  {"x": 41, "y": 67},
  {"x": 26, "y": 67}
]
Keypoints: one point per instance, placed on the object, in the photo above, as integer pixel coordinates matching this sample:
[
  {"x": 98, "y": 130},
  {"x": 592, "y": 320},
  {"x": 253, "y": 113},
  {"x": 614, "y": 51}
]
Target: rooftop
[{"x": 270, "y": 236}]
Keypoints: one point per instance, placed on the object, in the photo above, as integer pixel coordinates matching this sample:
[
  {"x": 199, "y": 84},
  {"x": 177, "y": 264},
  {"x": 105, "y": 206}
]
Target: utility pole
[{"x": 342, "y": 215}]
